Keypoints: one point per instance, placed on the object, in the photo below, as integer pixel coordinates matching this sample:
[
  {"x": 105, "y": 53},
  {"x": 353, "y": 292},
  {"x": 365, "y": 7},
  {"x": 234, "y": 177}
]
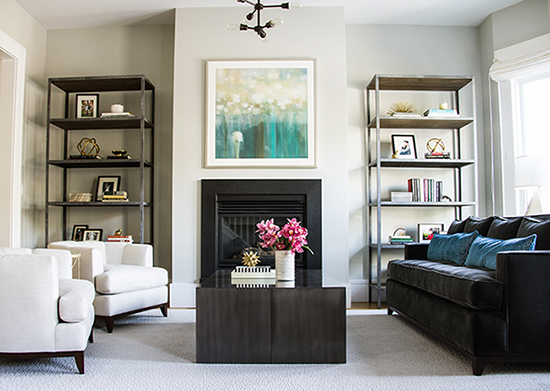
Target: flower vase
[{"x": 284, "y": 265}]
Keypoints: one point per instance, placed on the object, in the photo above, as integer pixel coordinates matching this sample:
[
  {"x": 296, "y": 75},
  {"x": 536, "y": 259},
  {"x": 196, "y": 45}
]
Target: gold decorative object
[
  {"x": 395, "y": 155},
  {"x": 401, "y": 106},
  {"x": 118, "y": 232},
  {"x": 435, "y": 143},
  {"x": 88, "y": 147},
  {"x": 251, "y": 259},
  {"x": 119, "y": 152},
  {"x": 399, "y": 232}
]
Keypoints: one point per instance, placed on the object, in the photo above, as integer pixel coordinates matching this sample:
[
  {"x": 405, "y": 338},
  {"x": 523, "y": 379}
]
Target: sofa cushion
[
  {"x": 469, "y": 287},
  {"x": 477, "y": 224},
  {"x": 451, "y": 248},
  {"x": 126, "y": 278},
  {"x": 532, "y": 225},
  {"x": 504, "y": 228},
  {"x": 483, "y": 252},
  {"x": 456, "y": 227}
]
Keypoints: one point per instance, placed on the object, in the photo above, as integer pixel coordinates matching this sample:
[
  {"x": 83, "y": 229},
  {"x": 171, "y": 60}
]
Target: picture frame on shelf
[
  {"x": 426, "y": 231},
  {"x": 93, "y": 235},
  {"x": 260, "y": 114},
  {"x": 403, "y": 146},
  {"x": 106, "y": 183},
  {"x": 87, "y": 105},
  {"x": 78, "y": 232}
]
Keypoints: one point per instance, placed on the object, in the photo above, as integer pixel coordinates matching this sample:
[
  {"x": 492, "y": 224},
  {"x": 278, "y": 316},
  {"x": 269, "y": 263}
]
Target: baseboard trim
[{"x": 182, "y": 295}]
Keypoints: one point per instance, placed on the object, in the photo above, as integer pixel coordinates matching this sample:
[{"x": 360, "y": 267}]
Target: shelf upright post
[
  {"x": 142, "y": 166},
  {"x": 378, "y": 197},
  {"x": 65, "y": 170},
  {"x": 368, "y": 192},
  {"x": 474, "y": 136},
  {"x": 48, "y": 115},
  {"x": 152, "y": 170}
]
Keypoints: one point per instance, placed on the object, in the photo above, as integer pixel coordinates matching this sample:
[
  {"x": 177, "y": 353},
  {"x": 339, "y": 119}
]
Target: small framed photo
[
  {"x": 106, "y": 183},
  {"x": 403, "y": 146},
  {"x": 78, "y": 232},
  {"x": 93, "y": 235},
  {"x": 426, "y": 231},
  {"x": 87, "y": 105}
]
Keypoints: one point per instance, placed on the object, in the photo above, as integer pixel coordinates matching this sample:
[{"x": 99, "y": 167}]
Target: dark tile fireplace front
[{"x": 231, "y": 208}]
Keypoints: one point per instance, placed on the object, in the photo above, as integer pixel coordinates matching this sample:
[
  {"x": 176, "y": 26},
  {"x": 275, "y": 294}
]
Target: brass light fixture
[{"x": 259, "y": 28}]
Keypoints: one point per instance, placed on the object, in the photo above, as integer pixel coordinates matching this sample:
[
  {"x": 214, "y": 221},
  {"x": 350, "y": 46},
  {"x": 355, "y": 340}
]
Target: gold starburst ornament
[
  {"x": 251, "y": 259},
  {"x": 401, "y": 107}
]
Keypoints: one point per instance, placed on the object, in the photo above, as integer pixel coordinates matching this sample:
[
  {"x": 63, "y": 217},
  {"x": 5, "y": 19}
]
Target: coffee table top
[{"x": 304, "y": 279}]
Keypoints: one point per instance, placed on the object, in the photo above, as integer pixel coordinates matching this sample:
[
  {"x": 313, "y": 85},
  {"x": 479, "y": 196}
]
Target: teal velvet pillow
[
  {"x": 451, "y": 248},
  {"x": 483, "y": 252}
]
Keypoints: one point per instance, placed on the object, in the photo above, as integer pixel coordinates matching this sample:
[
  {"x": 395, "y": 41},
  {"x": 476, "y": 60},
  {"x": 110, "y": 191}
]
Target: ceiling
[{"x": 63, "y": 14}]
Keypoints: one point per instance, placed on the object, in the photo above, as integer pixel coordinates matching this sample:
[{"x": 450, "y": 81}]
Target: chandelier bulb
[
  {"x": 296, "y": 4},
  {"x": 232, "y": 27},
  {"x": 278, "y": 21}
]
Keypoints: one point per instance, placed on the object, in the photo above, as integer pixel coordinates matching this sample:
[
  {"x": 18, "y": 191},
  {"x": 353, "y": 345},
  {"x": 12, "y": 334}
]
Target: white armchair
[
  {"x": 123, "y": 275},
  {"x": 43, "y": 315}
]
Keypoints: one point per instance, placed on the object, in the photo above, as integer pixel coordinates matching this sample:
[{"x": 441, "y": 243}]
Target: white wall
[
  {"x": 26, "y": 31},
  {"x": 308, "y": 33},
  {"x": 415, "y": 50}
]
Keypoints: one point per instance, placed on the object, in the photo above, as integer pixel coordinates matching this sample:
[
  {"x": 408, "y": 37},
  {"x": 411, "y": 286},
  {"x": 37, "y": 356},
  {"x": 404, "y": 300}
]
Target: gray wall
[
  {"x": 308, "y": 33},
  {"x": 124, "y": 50},
  {"x": 385, "y": 49}
]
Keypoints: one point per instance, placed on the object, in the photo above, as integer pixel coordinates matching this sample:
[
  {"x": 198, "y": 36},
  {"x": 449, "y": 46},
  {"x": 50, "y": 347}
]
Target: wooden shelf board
[
  {"x": 99, "y": 123},
  {"x": 99, "y": 204},
  {"x": 388, "y": 122},
  {"x": 102, "y": 83},
  {"x": 95, "y": 163},
  {"x": 423, "y": 163},
  {"x": 419, "y": 83},
  {"x": 425, "y": 204}
]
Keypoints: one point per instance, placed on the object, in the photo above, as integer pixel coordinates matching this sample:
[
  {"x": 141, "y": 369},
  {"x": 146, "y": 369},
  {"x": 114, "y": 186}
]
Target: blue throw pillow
[
  {"x": 483, "y": 252},
  {"x": 451, "y": 248}
]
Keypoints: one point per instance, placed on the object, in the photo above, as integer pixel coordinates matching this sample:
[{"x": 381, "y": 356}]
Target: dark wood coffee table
[{"x": 303, "y": 324}]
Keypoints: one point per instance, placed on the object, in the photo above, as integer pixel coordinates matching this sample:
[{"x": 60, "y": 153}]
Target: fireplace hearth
[{"x": 231, "y": 208}]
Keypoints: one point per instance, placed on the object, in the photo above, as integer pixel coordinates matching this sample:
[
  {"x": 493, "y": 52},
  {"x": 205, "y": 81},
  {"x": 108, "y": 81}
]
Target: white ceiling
[{"x": 62, "y": 14}]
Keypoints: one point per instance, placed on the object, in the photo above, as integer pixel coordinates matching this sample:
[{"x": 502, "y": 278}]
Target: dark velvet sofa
[{"x": 500, "y": 315}]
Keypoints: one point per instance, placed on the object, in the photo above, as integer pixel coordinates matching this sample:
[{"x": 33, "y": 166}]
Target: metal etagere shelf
[{"x": 377, "y": 165}]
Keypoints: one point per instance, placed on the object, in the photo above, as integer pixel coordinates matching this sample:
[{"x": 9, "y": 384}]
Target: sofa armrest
[
  {"x": 526, "y": 300},
  {"x": 416, "y": 251},
  {"x": 92, "y": 261},
  {"x": 138, "y": 255},
  {"x": 75, "y": 299}
]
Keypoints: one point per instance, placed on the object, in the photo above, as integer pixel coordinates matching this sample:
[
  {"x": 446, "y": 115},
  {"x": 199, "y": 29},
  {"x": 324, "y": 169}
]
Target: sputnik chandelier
[{"x": 258, "y": 7}]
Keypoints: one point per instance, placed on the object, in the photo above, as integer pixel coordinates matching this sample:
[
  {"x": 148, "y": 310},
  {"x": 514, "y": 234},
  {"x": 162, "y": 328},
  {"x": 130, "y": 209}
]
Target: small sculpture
[
  {"x": 251, "y": 259},
  {"x": 432, "y": 146},
  {"x": 88, "y": 147},
  {"x": 401, "y": 107},
  {"x": 118, "y": 232}
]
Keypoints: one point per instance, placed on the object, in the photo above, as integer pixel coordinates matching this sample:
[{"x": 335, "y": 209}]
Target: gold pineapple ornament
[{"x": 251, "y": 259}]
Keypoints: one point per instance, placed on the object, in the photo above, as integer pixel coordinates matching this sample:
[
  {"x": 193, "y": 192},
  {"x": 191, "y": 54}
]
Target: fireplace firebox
[{"x": 232, "y": 208}]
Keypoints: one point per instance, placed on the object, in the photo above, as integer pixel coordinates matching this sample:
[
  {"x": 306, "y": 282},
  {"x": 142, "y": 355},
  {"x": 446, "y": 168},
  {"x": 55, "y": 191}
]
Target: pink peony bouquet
[{"x": 291, "y": 237}]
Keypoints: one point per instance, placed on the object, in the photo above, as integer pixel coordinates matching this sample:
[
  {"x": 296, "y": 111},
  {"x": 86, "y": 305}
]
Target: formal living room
[{"x": 363, "y": 180}]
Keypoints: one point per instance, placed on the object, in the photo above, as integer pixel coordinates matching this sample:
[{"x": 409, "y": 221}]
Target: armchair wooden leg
[
  {"x": 110, "y": 323},
  {"x": 478, "y": 364},
  {"x": 79, "y": 358},
  {"x": 164, "y": 309}
]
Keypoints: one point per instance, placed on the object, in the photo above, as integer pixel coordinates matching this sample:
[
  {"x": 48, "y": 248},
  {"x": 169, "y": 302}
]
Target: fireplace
[{"x": 232, "y": 208}]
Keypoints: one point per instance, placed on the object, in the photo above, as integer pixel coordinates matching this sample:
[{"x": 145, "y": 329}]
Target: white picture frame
[{"x": 260, "y": 114}]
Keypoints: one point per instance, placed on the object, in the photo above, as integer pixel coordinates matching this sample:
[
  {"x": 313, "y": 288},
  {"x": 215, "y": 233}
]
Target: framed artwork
[
  {"x": 94, "y": 235},
  {"x": 106, "y": 183},
  {"x": 87, "y": 105},
  {"x": 426, "y": 231},
  {"x": 260, "y": 114},
  {"x": 403, "y": 146},
  {"x": 78, "y": 232}
]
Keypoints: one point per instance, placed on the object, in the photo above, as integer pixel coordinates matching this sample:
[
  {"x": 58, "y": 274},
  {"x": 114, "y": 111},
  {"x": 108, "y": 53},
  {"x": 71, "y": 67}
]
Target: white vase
[{"x": 284, "y": 265}]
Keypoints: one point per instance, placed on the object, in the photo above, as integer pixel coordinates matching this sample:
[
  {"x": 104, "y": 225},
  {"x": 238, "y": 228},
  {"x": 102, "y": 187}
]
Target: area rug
[{"x": 150, "y": 352}]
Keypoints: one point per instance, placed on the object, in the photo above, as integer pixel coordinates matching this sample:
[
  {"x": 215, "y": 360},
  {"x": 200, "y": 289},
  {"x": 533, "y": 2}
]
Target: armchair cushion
[
  {"x": 126, "y": 278},
  {"x": 75, "y": 299}
]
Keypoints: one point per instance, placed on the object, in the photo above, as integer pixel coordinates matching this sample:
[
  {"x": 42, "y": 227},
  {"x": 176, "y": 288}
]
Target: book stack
[
  {"x": 400, "y": 239},
  {"x": 440, "y": 113},
  {"x": 120, "y": 239},
  {"x": 115, "y": 196},
  {"x": 437, "y": 155},
  {"x": 116, "y": 115},
  {"x": 425, "y": 189}
]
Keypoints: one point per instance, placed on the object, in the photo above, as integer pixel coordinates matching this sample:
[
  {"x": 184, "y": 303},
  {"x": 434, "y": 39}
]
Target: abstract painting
[{"x": 260, "y": 113}]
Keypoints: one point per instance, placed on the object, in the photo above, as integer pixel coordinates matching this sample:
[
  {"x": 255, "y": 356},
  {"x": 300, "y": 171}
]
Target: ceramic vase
[{"x": 284, "y": 266}]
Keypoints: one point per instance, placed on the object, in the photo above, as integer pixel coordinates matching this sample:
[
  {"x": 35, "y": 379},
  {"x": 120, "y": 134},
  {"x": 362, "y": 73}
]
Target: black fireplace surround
[{"x": 231, "y": 208}]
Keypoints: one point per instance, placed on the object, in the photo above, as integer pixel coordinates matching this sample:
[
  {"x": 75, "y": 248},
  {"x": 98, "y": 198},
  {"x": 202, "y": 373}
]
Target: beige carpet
[{"x": 149, "y": 352}]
